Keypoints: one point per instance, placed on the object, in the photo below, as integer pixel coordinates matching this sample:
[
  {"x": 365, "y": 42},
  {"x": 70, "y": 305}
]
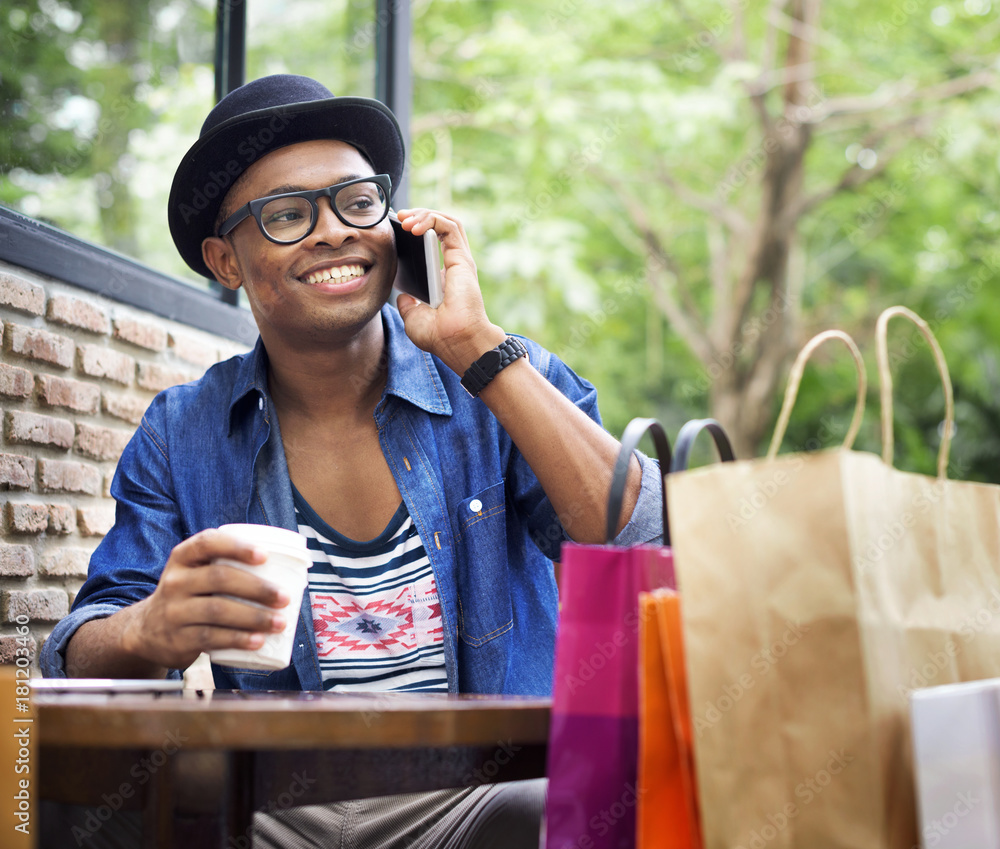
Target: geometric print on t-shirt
[{"x": 375, "y": 606}]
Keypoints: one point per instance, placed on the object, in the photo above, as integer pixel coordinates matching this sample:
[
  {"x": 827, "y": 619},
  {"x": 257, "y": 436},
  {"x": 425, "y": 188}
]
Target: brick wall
[{"x": 76, "y": 374}]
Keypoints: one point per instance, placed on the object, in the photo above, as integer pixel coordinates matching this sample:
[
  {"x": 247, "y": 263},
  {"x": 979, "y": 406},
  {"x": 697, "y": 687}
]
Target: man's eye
[
  {"x": 286, "y": 215},
  {"x": 283, "y": 215},
  {"x": 360, "y": 199}
]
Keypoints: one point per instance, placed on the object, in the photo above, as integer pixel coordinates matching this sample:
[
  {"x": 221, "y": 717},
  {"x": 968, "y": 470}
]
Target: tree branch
[
  {"x": 658, "y": 257},
  {"x": 718, "y": 266},
  {"x": 739, "y": 51},
  {"x": 805, "y": 15},
  {"x": 683, "y": 313},
  {"x": 729, "y": 215},
  {"x": 902, "y": 92},
  {"x": 781, "y": 184},
  {"x": 760, "y": 107},
  {"x": 852, "y": 177},
  {"x": 770, "y": 51},
  {"x": 619, "y": 228},
  {"x": 982, "y": 78},
  {"x": 884, "y": 96},
  {"x": 788, "y": 75},
  {"x": 795, "y": 283},
  {"x": 718, "y": 273},
  {"x": 800, "y": 29},
  {"x": 842, "y": 251},
  {"x": 694, "y": 337}
]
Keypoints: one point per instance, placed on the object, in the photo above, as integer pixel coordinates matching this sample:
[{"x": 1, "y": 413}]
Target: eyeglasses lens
[
  {"x": 289, "y": 219},
  {"x": 286, "y": 219},
  {"x": 362, "y": 203}
]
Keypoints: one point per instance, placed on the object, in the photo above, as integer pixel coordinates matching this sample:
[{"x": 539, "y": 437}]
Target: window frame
[{"x": 47, "y": 250}]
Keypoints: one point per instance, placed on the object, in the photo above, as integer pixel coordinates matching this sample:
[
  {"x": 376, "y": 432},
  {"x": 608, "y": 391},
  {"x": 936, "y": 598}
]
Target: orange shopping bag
[
  {"x": 668, "y": 800},
  {"x": 668, "y": 805}
]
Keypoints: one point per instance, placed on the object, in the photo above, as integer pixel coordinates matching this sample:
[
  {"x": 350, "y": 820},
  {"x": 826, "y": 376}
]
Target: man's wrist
[
  {"x": 481, "y": 373},
  {"x": 126, "y": 620},
  {"x": 473, "y": 348},
  {"x": 131, "y": 641}
]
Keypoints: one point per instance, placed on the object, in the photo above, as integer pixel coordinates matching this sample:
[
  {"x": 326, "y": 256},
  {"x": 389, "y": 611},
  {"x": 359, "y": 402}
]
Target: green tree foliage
[
  {"x": 672, "y": 196},
  {"x": 36, "y": 84},
  {"x": 331, "y": 41},
  {"x": 83, "y": 85},
  {"x": 612, "y": 164}
]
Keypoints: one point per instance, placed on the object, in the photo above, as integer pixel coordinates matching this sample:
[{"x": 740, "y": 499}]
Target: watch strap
[{"x": 478, "y": 376}]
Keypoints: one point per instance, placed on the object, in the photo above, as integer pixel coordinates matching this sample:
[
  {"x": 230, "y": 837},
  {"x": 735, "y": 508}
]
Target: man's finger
[
  {"x": 224, "y": 579},
  {"x": 208, "y": 545},
  {"x": 230, "y": 614}
]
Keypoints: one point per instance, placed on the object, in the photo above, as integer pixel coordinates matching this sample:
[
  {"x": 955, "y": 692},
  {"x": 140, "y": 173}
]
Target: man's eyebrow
[{"x": 281, "y": 190}]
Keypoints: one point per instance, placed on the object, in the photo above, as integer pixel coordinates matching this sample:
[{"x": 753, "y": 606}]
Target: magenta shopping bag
[{"x": 593, "y": 740}]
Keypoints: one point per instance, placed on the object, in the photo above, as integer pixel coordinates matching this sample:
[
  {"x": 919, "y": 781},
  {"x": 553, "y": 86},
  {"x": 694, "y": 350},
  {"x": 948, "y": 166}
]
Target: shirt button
[
  {"x": 475, "y": 505},
  {"x": 260, "y": 403}
]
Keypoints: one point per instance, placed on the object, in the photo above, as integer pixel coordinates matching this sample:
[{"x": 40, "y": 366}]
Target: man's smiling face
[{"x": 329, "y": 285}]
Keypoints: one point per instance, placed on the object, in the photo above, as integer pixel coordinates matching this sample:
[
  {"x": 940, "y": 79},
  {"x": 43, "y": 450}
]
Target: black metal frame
[
  {"x": 392, "y": 72},
  {"x": 55, "y": 253},
  {"x": 47, "y": 250},
  {"x": 230, "y": 46},
  {"x": 230, "y": 73}
]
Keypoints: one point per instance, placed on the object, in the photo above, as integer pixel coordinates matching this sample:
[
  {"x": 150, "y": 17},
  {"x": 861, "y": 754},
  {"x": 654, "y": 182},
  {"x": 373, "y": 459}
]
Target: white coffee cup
[{"x": 287, "y": 566}]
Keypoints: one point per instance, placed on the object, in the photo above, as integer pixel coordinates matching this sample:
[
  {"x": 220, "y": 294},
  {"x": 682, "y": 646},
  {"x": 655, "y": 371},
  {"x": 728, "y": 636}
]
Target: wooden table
[{"x": 198, "y": 765}]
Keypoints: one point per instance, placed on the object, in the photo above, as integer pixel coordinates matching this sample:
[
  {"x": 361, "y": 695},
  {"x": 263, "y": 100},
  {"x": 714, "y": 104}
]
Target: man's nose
[{"x": 329, "y": 228}]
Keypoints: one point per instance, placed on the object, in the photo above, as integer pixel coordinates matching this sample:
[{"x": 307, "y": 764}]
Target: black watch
[{"x": 478, "y": 376}]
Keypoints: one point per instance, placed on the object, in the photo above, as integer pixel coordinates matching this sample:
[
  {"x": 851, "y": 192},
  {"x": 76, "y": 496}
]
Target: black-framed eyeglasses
[{"x": 289, "y": 218}]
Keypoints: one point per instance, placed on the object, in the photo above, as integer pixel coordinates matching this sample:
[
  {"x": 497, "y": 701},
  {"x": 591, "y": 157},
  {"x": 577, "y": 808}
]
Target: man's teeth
[{"x": 340, "y": 273}]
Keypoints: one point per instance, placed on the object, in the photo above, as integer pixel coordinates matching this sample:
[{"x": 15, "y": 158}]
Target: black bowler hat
[{"x": 255, "y": 119}]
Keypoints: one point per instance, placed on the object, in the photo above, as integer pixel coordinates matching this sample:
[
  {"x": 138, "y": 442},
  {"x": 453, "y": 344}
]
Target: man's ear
[{"x": 221, "y": 259}]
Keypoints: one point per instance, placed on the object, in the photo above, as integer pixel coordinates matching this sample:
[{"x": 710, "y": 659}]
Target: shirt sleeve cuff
[
  {"x": 52, "y": 660},
  {"x": 645, "y": 526}
]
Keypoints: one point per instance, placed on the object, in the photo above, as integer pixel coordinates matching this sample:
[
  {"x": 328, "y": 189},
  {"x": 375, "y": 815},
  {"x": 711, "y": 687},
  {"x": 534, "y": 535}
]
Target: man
[{"x": 352, "y": 423}]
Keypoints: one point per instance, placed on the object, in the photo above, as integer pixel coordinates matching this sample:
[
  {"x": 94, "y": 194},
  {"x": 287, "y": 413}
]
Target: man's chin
[{"x": 344, "y": 323}]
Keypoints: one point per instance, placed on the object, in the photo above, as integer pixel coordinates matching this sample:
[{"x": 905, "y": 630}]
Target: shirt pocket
[{"x": 484, "y": 607}]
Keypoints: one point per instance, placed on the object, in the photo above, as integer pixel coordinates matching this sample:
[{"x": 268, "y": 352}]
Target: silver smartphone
[{"x": 418, "y": 271}]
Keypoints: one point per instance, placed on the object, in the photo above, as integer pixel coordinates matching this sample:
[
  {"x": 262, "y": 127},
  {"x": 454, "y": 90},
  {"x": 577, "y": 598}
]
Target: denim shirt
[{"x": 209, "y": 453}]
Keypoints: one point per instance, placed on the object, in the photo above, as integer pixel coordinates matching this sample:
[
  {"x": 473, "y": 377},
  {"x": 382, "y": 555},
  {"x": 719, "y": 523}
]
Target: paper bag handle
[
  {"x": 634, "y": 431},
  {"x": 795, "y": 378},
  {"x": 687, "y": 436},
  {"x": 885, "y": 382}
]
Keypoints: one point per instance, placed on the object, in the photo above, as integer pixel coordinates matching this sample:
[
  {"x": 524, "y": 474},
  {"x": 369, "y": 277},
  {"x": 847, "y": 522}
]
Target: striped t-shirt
[{"x": 375, "y": 607}]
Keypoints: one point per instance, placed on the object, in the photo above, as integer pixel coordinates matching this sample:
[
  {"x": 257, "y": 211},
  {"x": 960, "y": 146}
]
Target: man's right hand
[{"x": 185, "y": 616}]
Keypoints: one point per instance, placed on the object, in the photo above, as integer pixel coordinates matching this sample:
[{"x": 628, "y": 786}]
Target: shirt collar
[
  {"x": 413, "y": 374},
  {"x": 251, "y": 380}
]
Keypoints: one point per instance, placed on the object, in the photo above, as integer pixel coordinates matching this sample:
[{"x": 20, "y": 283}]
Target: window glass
[
  {"x": 98, "y": 101},
  {"x": 332, "y": 41}
]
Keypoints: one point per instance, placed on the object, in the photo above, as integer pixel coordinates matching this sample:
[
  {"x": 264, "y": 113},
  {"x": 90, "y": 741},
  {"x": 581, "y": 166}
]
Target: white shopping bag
[{"x": 956, "y": 753}]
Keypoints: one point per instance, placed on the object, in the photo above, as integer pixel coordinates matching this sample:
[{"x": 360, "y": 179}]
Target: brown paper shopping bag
[{"x": 818, "y": 590}]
